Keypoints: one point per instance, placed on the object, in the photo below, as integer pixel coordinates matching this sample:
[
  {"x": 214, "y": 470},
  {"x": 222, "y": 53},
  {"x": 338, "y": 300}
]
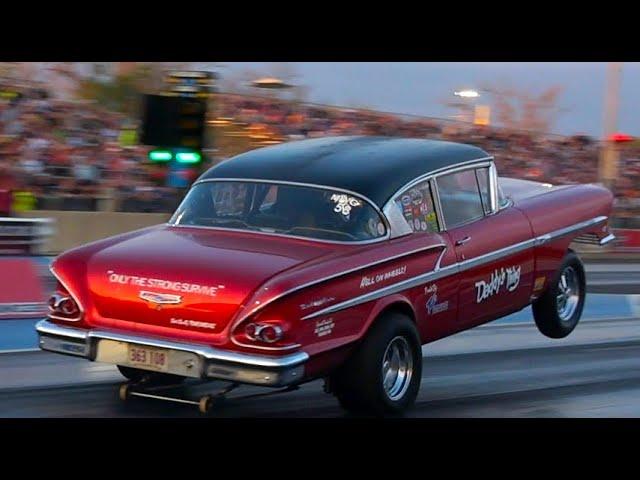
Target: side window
[
  {"x": 482, "y": 175},
  {"x": 416, "y": 205},
  {"x": 460, "y": 198}
]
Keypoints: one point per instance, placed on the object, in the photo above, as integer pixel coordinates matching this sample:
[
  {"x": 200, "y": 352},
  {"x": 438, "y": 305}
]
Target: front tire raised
[{"x": 558, "y": 311}]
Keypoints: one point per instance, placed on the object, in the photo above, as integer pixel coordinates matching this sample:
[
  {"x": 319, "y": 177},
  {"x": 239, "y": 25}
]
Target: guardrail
[
  {"x": 20, "y": 236},
  {"x": 54, "y": 231},
  {"x": 75, "y": 228}
]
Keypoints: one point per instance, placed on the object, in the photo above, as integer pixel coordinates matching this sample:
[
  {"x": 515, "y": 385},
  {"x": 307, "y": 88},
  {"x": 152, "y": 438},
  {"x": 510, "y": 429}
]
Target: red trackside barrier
[
  {"x": 21, "y": 290},
  {"x": 626, "y": 240}
]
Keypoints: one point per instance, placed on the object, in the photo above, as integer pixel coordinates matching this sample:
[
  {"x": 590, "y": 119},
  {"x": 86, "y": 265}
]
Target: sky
[{"x": 422, "y": 88}]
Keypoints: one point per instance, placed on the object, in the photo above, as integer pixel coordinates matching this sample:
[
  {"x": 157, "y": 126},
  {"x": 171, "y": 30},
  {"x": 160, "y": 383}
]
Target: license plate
[{"x": 150, "y": 358}]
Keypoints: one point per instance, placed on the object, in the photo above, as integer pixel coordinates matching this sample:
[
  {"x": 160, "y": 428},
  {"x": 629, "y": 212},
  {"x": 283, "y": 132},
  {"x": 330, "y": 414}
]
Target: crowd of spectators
[
  {"x": 68, "y": 155},
  {"x": 546, "y": 158}
]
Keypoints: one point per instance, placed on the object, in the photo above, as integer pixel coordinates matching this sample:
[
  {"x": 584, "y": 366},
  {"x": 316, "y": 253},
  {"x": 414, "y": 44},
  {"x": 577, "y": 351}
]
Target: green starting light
[
  {"x": 188, "y": 157},
  {"x": 160, "y": 155}
]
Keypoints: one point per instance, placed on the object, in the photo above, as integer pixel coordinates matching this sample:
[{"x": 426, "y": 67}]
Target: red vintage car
[{"x": 333, "y": 258}]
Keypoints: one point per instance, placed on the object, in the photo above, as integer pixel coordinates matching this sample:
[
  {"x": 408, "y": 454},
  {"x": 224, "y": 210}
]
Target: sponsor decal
[
  {"x": 431, "y": 289},
  {"x": 432, "y": 304},
  {"x": 509, "y": 277},
  {"x": 344, "y": 203},
  {"x": 416, "y": 196},
  {"x": 192, "y": 323},
  {"x": 183, "y": 287},
  {"x": 367, "y": 281},
  {"x": 316, "y": 303},
  {"x": 434, "y": 307},
  {"x": 324, "y": 327}
]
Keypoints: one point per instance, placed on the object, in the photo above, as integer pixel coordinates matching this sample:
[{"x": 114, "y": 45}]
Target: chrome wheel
[
  {"x": 397, "y": 368},
  {"x": 568, "y": 294}
]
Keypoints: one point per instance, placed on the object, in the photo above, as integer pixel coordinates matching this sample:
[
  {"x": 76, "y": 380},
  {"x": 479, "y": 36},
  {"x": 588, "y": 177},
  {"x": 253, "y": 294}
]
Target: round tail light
[
  {"x": 54, "y": 301},
  {"x": 263, "y": 332},
  {"x": 270, "y": 333},
  {"x": 62, "y": 304},
  {"x": 251, "y": 331},
  {"x": 68, "y": 306}
]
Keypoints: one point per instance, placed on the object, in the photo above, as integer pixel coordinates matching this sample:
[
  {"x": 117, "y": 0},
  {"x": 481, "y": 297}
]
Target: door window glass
[{"x": 460, "y": 198}]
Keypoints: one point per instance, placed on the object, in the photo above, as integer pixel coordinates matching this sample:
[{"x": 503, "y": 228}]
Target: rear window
[{"x": 284, "y": 209}]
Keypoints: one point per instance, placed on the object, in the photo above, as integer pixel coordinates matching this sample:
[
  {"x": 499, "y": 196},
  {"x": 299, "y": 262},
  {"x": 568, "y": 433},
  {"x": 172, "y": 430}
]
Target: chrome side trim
[
  {"x": 496, "y": 254},
  {"x": 244, "y": 316},
  {"x": 542, "y": 239},
  {"x": 454, "y": 268},
  {"x": 435, "y": 193},
  {"x": 609, "y": 238},
  {"x": 493, "y": 187},
  {"x": 439, "y": 261},
  {"x": 45, "y": 327},
  {"x": 399, "y": 226},
  {"x": 388, "y": 290}
]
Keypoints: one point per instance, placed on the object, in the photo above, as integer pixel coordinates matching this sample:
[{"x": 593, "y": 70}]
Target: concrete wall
[{"x": 73, "y": 229}]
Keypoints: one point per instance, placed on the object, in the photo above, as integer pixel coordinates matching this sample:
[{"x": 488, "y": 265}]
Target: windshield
[{"x": 285, "y": 209}]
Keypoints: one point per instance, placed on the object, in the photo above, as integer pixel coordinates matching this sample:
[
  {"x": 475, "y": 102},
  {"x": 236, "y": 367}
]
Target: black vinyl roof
[{"x": 375, "y": 167}]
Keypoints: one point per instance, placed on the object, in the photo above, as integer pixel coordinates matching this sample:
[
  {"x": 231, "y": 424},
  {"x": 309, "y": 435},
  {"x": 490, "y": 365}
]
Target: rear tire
[
  {"x": 383, "y": 375},
  {"x": 558, "y": 311}
]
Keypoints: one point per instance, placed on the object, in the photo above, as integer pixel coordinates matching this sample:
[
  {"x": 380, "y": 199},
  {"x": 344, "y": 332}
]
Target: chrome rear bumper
[{"x": 214, "y": 363}]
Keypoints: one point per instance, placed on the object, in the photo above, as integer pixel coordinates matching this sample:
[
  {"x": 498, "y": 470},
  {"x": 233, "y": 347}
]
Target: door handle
[{"x": 462, "y": 241}]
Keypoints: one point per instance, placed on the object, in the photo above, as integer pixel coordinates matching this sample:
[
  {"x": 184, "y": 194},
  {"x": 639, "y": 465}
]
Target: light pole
[
  {"x": 271, "y": 83},
  {"x": 608, "y": 168},
  {"x": 468, "y": 101}
]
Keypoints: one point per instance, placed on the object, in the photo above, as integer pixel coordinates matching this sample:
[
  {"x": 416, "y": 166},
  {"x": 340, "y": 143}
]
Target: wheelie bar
[{"x": 204, "y": 403}]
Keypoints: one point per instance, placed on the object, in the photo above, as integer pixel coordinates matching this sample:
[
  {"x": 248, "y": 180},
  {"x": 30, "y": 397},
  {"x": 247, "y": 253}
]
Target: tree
[
  {"x": 521, "y": 109},
  {"x": 122, "y": 92}
]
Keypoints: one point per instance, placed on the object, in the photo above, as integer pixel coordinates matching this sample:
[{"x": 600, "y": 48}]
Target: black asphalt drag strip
[{"x": 590, "y": 380}]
